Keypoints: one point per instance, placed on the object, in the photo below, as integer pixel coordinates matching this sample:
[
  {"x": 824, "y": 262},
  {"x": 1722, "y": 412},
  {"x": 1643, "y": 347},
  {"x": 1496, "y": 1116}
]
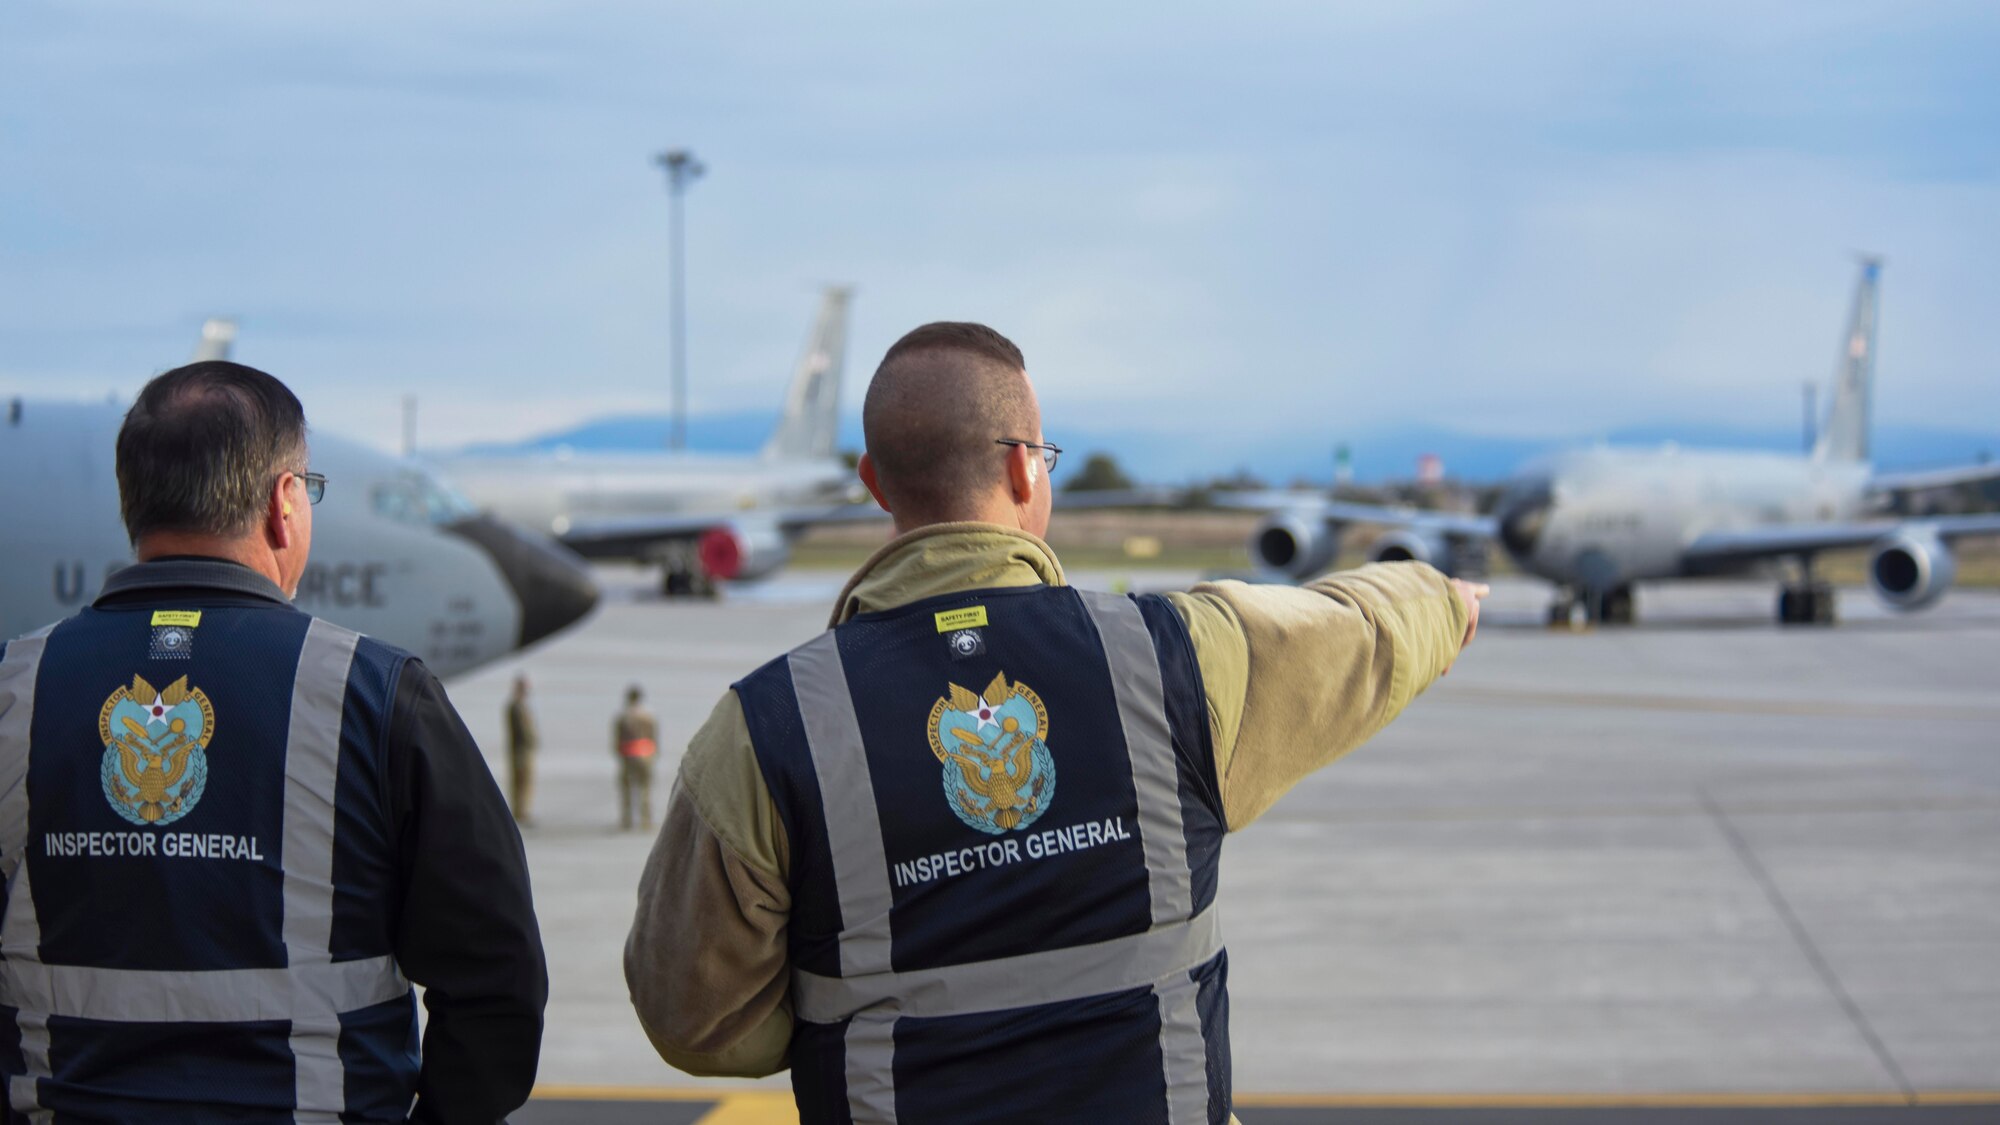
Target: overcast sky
[{"x": 1505, "y": 218}]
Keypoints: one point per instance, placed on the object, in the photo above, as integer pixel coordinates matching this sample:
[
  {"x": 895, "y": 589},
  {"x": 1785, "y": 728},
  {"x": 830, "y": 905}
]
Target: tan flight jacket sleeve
[
  {"x": 706, "y": 957},
  {"x": 1297, "y": 676}
]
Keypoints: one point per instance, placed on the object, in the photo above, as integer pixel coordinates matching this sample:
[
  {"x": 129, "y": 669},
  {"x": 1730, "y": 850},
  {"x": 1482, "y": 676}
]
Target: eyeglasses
[
  {"x": 1050, "y": 451},
  {"x": 315, "y": 486}
]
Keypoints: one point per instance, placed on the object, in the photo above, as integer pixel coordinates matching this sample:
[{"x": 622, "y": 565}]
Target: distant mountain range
[{"x": 1383, "y": 454}]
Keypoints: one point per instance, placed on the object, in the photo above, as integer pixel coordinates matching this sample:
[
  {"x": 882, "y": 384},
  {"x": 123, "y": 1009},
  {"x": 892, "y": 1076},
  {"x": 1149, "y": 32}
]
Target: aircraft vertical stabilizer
[
  {"x": 809, "y": 428},
  {"x": 1845, "y": 436}
]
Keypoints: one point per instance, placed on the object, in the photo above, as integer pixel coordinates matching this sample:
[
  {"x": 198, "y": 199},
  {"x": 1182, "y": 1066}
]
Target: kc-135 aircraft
[
  {"x": 1595, "y": 521},
  {"x": 702, "y": 517},
  {"x": 395, "y": 554}
]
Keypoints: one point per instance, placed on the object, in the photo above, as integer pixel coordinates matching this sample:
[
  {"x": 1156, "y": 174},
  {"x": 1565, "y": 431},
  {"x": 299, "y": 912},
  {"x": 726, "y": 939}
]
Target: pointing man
[
  {"x": 233, "y": 835},
  {"x": 955, "y": 859}
]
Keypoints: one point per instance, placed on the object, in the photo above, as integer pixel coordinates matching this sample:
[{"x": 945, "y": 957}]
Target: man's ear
[
  {"x": 1024, "y": 472},
  {"x": 865, "y": 468},
  {"x": 278, "y": 512}
]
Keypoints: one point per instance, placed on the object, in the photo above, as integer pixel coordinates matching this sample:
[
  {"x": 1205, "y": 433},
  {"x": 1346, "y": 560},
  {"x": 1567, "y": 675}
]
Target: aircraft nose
[
  {"x": 1524, "y": 513},
  {"x": 551, "y": 584}
]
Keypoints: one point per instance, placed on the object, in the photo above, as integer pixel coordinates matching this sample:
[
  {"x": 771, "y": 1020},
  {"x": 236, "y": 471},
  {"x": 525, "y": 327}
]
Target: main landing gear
[
  {"x": 681, "y": 575},
  {"x": 1615, "y": 606},
  {"x": 1807, "y": 601}
]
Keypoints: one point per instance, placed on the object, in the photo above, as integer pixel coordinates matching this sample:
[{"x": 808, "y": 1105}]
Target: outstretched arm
[{"x": 1297, "y": 676}]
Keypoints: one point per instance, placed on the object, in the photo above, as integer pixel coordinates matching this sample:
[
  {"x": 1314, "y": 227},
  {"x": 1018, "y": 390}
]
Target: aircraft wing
[
  {"x": 628, "y": 536},
  {"x": 1314, "y": 504},
  {"x": 1120, "y": 498},
  {"x": 1935, "y": 478},
  {"x": 1745, "y": 544}
]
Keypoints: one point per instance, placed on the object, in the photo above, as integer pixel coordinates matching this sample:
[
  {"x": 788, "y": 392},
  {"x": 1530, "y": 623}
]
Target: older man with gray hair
[{"x": 233, "y": 835}]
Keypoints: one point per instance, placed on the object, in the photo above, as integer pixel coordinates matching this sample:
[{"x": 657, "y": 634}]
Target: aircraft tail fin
[
  {"x": 217, "y": 334},
  {"x": 1845, "y": 435},
  {"x": 810, "y": 425}
]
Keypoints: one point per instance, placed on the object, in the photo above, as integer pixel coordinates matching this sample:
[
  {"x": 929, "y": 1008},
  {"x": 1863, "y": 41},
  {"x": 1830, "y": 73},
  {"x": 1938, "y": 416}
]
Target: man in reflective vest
[
  {"x": 233, "y": 835},
  {"x": 955, "y": 860}
]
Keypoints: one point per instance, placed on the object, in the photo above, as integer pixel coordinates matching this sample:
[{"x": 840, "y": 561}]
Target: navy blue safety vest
[
  {"x": 1004, "y": 833},
  {"x": 200, "y": 869}
]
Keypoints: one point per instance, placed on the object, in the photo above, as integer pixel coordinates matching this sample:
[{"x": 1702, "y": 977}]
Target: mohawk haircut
[{"x": 941, "y": 398}]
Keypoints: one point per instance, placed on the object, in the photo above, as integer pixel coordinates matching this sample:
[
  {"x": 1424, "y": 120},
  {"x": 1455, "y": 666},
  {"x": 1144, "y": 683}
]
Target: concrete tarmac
[{"x": 1703, "y": 857}]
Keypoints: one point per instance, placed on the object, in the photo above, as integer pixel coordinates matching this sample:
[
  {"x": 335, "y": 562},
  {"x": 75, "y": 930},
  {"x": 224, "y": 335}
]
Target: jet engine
[
  {"x": 1404, "y": 545},
  {"x": 1910, "y": 570},
  {"x": 742, "y": 552},
  {"x": 1456, "y": 555},
  {"x": 1298, "y": 545}
]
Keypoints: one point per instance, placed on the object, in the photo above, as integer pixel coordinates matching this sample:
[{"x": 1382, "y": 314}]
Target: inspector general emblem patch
[
  {"x": 155, "y": 750},
  {"x": 998, "y": 772}
]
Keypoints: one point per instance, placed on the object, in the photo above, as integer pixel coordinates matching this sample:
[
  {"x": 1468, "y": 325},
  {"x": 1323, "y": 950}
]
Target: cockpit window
[{"x": 413, "y": 497}]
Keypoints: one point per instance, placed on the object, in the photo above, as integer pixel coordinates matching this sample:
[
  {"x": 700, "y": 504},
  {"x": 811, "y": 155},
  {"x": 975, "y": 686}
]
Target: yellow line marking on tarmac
[
  {"x": 1611, "y": 1101},
  {"x": 762, "y": 1108},
  {"x": 1828, "y": 708},
  {"x": 738, "y": 1106}
]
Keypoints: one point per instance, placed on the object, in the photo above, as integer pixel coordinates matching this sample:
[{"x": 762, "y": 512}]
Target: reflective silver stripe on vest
[
  {"x": 871, "y": 1068},
  {"x": 1156, "y": 957},
  {"x": 860, "y": 864},
  {"x": 212, "y": 996},
  {"x": 312, "y": 773},
  {"x": 21, "y": 936},
  {"x": 1142, "y": 711},
  {"x": 1183, "y": 1051},
  {"x": 853, "y": 830}
]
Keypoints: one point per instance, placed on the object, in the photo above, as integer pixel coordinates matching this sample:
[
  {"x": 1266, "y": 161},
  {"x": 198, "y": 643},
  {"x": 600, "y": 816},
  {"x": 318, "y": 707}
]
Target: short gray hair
[{"x": 201, "y": 447}]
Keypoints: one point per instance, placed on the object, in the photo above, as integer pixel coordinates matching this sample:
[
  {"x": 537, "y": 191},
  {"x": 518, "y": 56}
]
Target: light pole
[{"x": 682, "y": 170}]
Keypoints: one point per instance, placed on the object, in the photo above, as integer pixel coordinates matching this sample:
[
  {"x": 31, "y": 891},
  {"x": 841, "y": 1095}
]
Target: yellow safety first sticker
[
  {"x": 187, "y": 617},
  {"x": 951, "y": 620}
]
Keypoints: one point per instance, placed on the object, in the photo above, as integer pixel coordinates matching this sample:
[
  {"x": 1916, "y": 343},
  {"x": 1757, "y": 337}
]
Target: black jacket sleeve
[{"x": 466, "y": 928}]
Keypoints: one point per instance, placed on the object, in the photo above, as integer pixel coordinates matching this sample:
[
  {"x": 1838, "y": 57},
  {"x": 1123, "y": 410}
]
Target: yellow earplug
[{"x": 288, "y": 509}]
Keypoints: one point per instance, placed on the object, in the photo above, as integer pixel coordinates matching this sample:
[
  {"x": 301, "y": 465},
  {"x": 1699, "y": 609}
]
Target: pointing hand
[{"x": 1469, "y": 593}]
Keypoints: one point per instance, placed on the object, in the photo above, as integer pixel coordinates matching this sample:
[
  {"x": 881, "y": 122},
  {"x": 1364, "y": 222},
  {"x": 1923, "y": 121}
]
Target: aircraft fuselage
[
  {"x": 1602, "y": 518},
  {"x": 554, "y": 491},
  {"x": 394, "y": 555}
]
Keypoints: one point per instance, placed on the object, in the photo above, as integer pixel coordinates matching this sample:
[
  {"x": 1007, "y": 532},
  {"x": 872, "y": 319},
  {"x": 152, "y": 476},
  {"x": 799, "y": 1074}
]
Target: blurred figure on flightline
[
  {"x": 956, "y": 858},
  {"x": 522, "y": 742},
  {"x": 251, "y": 831},
  {"x": 635, "y": 739}
]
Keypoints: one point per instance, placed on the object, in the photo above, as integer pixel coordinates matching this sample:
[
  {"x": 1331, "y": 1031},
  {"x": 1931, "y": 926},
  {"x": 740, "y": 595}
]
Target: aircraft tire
[
  {"x": 1806, "y": 605},
  {"x": 677, "y": 583}
]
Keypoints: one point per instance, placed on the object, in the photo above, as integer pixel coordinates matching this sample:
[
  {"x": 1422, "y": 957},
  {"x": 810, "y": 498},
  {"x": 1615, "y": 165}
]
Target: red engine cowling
[{"x": 738, "y": 552}]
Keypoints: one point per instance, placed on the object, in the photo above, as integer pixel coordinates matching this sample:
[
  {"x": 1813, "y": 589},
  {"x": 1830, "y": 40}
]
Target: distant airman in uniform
[
  {"x": 635, "y": 740},
  {"x": 522, "y": 742}
]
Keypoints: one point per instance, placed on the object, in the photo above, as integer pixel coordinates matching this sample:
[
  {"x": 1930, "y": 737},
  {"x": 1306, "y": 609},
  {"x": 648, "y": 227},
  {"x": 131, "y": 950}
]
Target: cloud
[{"x": 1286, "y": 218}]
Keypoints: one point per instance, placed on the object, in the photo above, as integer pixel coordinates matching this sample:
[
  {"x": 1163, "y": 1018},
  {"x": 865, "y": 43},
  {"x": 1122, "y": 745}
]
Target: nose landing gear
[
  {"x": 681, "y": 573},
  {"x": 1615, "y": 606},
  {"x": 1806, "y": 601}
]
